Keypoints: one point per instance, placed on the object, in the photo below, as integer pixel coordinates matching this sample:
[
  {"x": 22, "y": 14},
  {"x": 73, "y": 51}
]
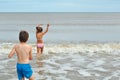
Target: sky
[{"x": 59, "y": 5}]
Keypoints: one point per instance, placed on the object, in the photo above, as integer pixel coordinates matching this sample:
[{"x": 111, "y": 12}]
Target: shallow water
[
  {"x": 83, "y": 61},
  {"x": 78, "y": 46}
]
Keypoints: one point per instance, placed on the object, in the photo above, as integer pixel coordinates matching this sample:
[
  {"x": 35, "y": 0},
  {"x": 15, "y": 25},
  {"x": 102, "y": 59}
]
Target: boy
[
  {"x": 24, "y": 55},
  {"x": 39, "y": 35}
]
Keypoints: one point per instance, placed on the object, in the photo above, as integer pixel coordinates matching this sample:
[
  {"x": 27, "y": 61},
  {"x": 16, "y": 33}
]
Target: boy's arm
[
  {"x": 46, "y": 29},
  {"x": 12, "y": 52},
  {"x": 30, "y": 54}
]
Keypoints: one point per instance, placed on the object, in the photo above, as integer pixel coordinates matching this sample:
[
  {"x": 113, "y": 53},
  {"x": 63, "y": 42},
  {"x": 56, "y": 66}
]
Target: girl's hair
[{"x": 39, "y": 29}]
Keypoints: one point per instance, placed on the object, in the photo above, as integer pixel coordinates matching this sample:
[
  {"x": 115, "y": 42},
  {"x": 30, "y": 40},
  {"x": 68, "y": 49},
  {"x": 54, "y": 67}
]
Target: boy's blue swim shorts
[{"x": 24, "y": 70}]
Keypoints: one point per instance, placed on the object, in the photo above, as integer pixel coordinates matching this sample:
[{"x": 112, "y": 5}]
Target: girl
[{"x": 39, "y": 36}]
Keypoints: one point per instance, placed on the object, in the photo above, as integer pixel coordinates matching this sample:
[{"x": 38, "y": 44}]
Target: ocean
[
  {"x": 68, "y": 27},
  {"x": 78, "y": 46}
]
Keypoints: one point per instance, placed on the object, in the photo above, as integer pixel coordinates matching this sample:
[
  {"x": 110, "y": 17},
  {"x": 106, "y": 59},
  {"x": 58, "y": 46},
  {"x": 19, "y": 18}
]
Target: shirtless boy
[{"x": 24, "y": 55}]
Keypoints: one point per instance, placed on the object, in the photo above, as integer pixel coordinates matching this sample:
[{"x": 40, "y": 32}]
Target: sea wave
[
  {"x": 95, "y": 61},
  {"x": 70, "y": 48}
]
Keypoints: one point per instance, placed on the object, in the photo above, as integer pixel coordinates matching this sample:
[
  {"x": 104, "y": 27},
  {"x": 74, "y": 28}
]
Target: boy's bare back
[{"x": 23, "y": 51}]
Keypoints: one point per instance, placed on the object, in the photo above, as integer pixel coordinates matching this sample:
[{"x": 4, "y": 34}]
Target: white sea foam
[
  {"x": 84, "y": 73},
  {"x": 69, "y": 61},
  {"x": 88, "y": 48},
  {"x": 113, "y": 76}
]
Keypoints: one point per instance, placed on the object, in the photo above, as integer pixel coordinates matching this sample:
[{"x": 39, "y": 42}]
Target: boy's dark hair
[
  {"x": 23, "y": 36},
  {"x": 39, "y": 29}
]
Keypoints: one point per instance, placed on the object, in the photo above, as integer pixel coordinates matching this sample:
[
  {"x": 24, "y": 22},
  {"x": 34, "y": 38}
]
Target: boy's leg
[
  {"x": 19, "y": 73},
  {"x": 23, "y": 78},
  {"x": 27, "y": 71},
  {"x": 31, "y": 78}
]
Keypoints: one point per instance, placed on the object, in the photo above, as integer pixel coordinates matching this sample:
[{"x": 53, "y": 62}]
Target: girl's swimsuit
[{"x": 40, "y": 45}]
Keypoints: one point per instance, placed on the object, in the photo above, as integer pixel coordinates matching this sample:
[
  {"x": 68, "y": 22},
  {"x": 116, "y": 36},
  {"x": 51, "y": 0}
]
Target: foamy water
[{"x": 83, "y": 61}]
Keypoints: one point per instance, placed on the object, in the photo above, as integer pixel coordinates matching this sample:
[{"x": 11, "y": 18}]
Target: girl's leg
[
  {"x": 42, "y": 50},
  {"x": 38, "y": 53}
]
